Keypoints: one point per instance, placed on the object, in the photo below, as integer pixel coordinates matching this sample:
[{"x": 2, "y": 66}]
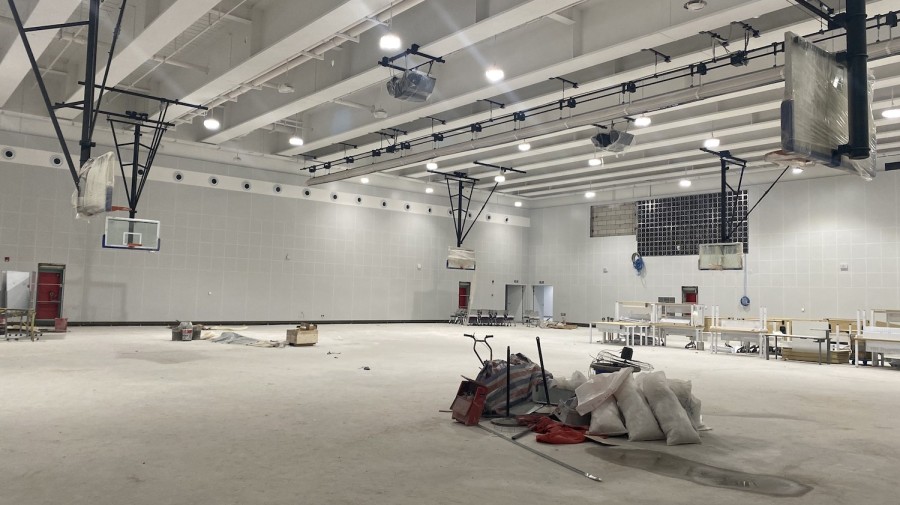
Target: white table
[{"x": 628, "y": 328}]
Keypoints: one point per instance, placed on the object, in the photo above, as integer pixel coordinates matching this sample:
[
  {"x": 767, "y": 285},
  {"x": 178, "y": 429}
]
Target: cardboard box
[{"x": 297, "y": 336}]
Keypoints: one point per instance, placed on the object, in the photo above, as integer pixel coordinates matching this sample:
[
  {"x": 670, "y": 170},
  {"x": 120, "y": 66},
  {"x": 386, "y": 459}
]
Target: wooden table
[{"x": 820, "y": 340}]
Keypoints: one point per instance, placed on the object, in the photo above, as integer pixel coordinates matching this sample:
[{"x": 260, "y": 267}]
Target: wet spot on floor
[{"x": 699, "y": 473}]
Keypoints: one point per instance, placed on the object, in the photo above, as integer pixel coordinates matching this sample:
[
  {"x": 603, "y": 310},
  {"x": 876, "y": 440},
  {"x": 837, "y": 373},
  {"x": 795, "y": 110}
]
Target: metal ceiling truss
[
  {"x": 139, "y": 123},
  {"x": 727, "y": 161},
  {"x": 461, "y": 201},
  {"x": 696, "y": 69}
]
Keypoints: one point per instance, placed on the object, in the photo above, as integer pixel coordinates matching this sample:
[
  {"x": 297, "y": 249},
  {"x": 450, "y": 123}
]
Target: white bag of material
[
  {"x": 639, "y": 419},
  {"x": 691, "y": 403},
  {"x": 95, "y": 185},
  {"x": 672, "y": 417},
  {"x": 607, "y": 420},
  {"x": 594, "y": 392},
  {"x": 572, "y": 383}
]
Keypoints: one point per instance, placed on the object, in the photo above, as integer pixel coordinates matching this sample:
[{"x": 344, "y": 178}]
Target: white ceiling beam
[
  {"x": 14, "y": 66},
  {"x": 585, "y": 143},
  {"x": 625, "y": 48},
  {"x": 559, "y": 18},
  {"x": 299, "y": 43},
  {"x": 587, "y": 60},
  {"x": 154, "y": 37},
  {"x": 670, "y": 168},
  {"x": 231, "y": 17},
  {"x": 656, "y": 128},
  {"x": 722, "y": 133},
  {"x": 465, "y": 37}
]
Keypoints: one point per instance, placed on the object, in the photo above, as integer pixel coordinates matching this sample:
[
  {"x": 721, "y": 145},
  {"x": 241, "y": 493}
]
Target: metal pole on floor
[
  {"x": 508, "y": 374},
  {"x": 543, "y": 372}
]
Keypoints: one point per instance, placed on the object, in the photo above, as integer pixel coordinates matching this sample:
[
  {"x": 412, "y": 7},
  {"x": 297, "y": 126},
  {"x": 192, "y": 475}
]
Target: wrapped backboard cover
[
  {"x": 815, "y": 112},
  {"x": 95, "y": 185},
  {"x": 461, "y": 259}
]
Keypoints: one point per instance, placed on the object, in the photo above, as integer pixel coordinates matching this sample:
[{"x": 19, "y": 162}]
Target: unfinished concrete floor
[{"x": 126, "y": 416}]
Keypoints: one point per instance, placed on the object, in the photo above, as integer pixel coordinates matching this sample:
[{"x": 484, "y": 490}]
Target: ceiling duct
[
  {"x": 411, "y": 86},
  {"x": 614, "y": 142}
]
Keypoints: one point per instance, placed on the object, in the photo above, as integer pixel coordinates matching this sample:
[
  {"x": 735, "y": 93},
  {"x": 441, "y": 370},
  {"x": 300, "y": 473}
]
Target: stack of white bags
[{"x": 646, "y": 407}]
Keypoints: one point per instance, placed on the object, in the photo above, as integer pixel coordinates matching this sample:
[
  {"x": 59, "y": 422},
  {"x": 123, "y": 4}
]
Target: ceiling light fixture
[
  {"x": 684, "y": 183},
  {"x": 211, "y": 123},
  {"x": 642, "y": 121},
  {"x": 695, "y": 5},
  {"x": 429, "y": 189},
  {"x": 494, "y": 74},
  {"x": 364, "y": 180},
  {"x": 796, "y": 170},
  {"x": 296, "y": 140},
  {"x": 285, "y": 88},
  {"x": 431, "y": 165},
  {"x": 711, "y": 143},
  {"x": 589, "y": 194},
  {"x": 390, "y": 42},
  {"x": 499, "y": 178},
  {"x": 379, "y": 113},
  {"x": 518, "y": 204},
  {"x": 595, "y": 162},
  {"x": 524, "y": 146}
]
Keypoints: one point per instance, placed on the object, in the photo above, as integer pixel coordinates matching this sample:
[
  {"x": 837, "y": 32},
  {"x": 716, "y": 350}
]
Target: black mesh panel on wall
[{"x": 675, "y": 226}]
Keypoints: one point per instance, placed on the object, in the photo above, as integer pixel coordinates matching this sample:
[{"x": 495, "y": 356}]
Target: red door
[
  {"x": 49, "y": 295},
  {"x": 463, "y": 296}
]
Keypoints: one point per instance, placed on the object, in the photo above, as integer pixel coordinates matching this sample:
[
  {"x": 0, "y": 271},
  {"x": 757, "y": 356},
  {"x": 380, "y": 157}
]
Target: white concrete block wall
[
  {"x": 240, "y": 256},
  {"x": 799, "y": 237}
]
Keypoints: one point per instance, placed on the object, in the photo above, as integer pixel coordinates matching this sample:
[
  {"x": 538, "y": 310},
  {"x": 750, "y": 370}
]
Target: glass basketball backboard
[{"x": 127, "y": 233}]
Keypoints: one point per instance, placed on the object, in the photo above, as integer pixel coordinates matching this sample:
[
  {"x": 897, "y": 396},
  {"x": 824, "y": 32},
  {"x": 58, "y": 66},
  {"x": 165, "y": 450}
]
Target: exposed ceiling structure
[{"x": 270, "y": 71}]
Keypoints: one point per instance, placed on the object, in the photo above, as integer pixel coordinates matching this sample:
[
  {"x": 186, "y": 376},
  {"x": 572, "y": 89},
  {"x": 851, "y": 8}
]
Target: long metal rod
[
  {"x": 747, "y": 215},
  {"x": 486, "y": 200},
  {"x": 723, "y": 202},
  {"x": 90, "y": 73},
  {"x": 44, "y": 94},
  {"x": 112, "y": 49},
  {"x": 150, "y": 97},
  {"x": 543, "y": 372},
  {"x": 460, "y": 221},
  {"x": 508, "y": 374},
  {"x": 121, "y": 165},
  {"x": 541, "y": 454},
  {"x": 135, "y": 153},
  {"x": 58, "y": 26}
]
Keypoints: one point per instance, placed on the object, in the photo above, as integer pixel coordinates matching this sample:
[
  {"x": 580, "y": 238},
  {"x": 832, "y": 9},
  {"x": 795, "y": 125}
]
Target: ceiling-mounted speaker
[
  {"x": 615, "y": 141},
  {"x": 411, "y": 86}
]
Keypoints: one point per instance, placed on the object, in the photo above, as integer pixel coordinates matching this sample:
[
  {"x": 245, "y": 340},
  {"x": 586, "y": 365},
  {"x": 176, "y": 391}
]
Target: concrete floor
[{"x": 124, "y": 415}]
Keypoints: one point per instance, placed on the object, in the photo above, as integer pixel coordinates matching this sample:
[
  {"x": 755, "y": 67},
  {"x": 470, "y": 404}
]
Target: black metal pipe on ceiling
[{"x": 857, "y": 86}]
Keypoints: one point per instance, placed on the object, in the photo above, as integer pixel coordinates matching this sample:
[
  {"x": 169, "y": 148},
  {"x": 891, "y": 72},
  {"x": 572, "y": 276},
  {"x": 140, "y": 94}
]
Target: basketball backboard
[
  {"x": 133, "y": 234},
  {"x": 815, "y": 113}
]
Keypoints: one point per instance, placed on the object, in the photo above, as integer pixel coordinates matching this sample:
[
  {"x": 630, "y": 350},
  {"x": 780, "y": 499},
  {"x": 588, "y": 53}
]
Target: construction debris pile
[{"x": 623, "y": 397}]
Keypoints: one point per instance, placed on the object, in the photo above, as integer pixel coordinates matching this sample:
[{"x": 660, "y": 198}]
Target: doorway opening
[
  {"x": 515, "y": 302},
  {"x": 543, "y": 301},
  {"x": 49, "y": 299},
  {"x": 464, "y": 290}
]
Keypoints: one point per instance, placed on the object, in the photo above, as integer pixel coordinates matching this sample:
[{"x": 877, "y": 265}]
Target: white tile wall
[
  {"x": 231, "y": 255},
  {"x": 799, "y": 236}
]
